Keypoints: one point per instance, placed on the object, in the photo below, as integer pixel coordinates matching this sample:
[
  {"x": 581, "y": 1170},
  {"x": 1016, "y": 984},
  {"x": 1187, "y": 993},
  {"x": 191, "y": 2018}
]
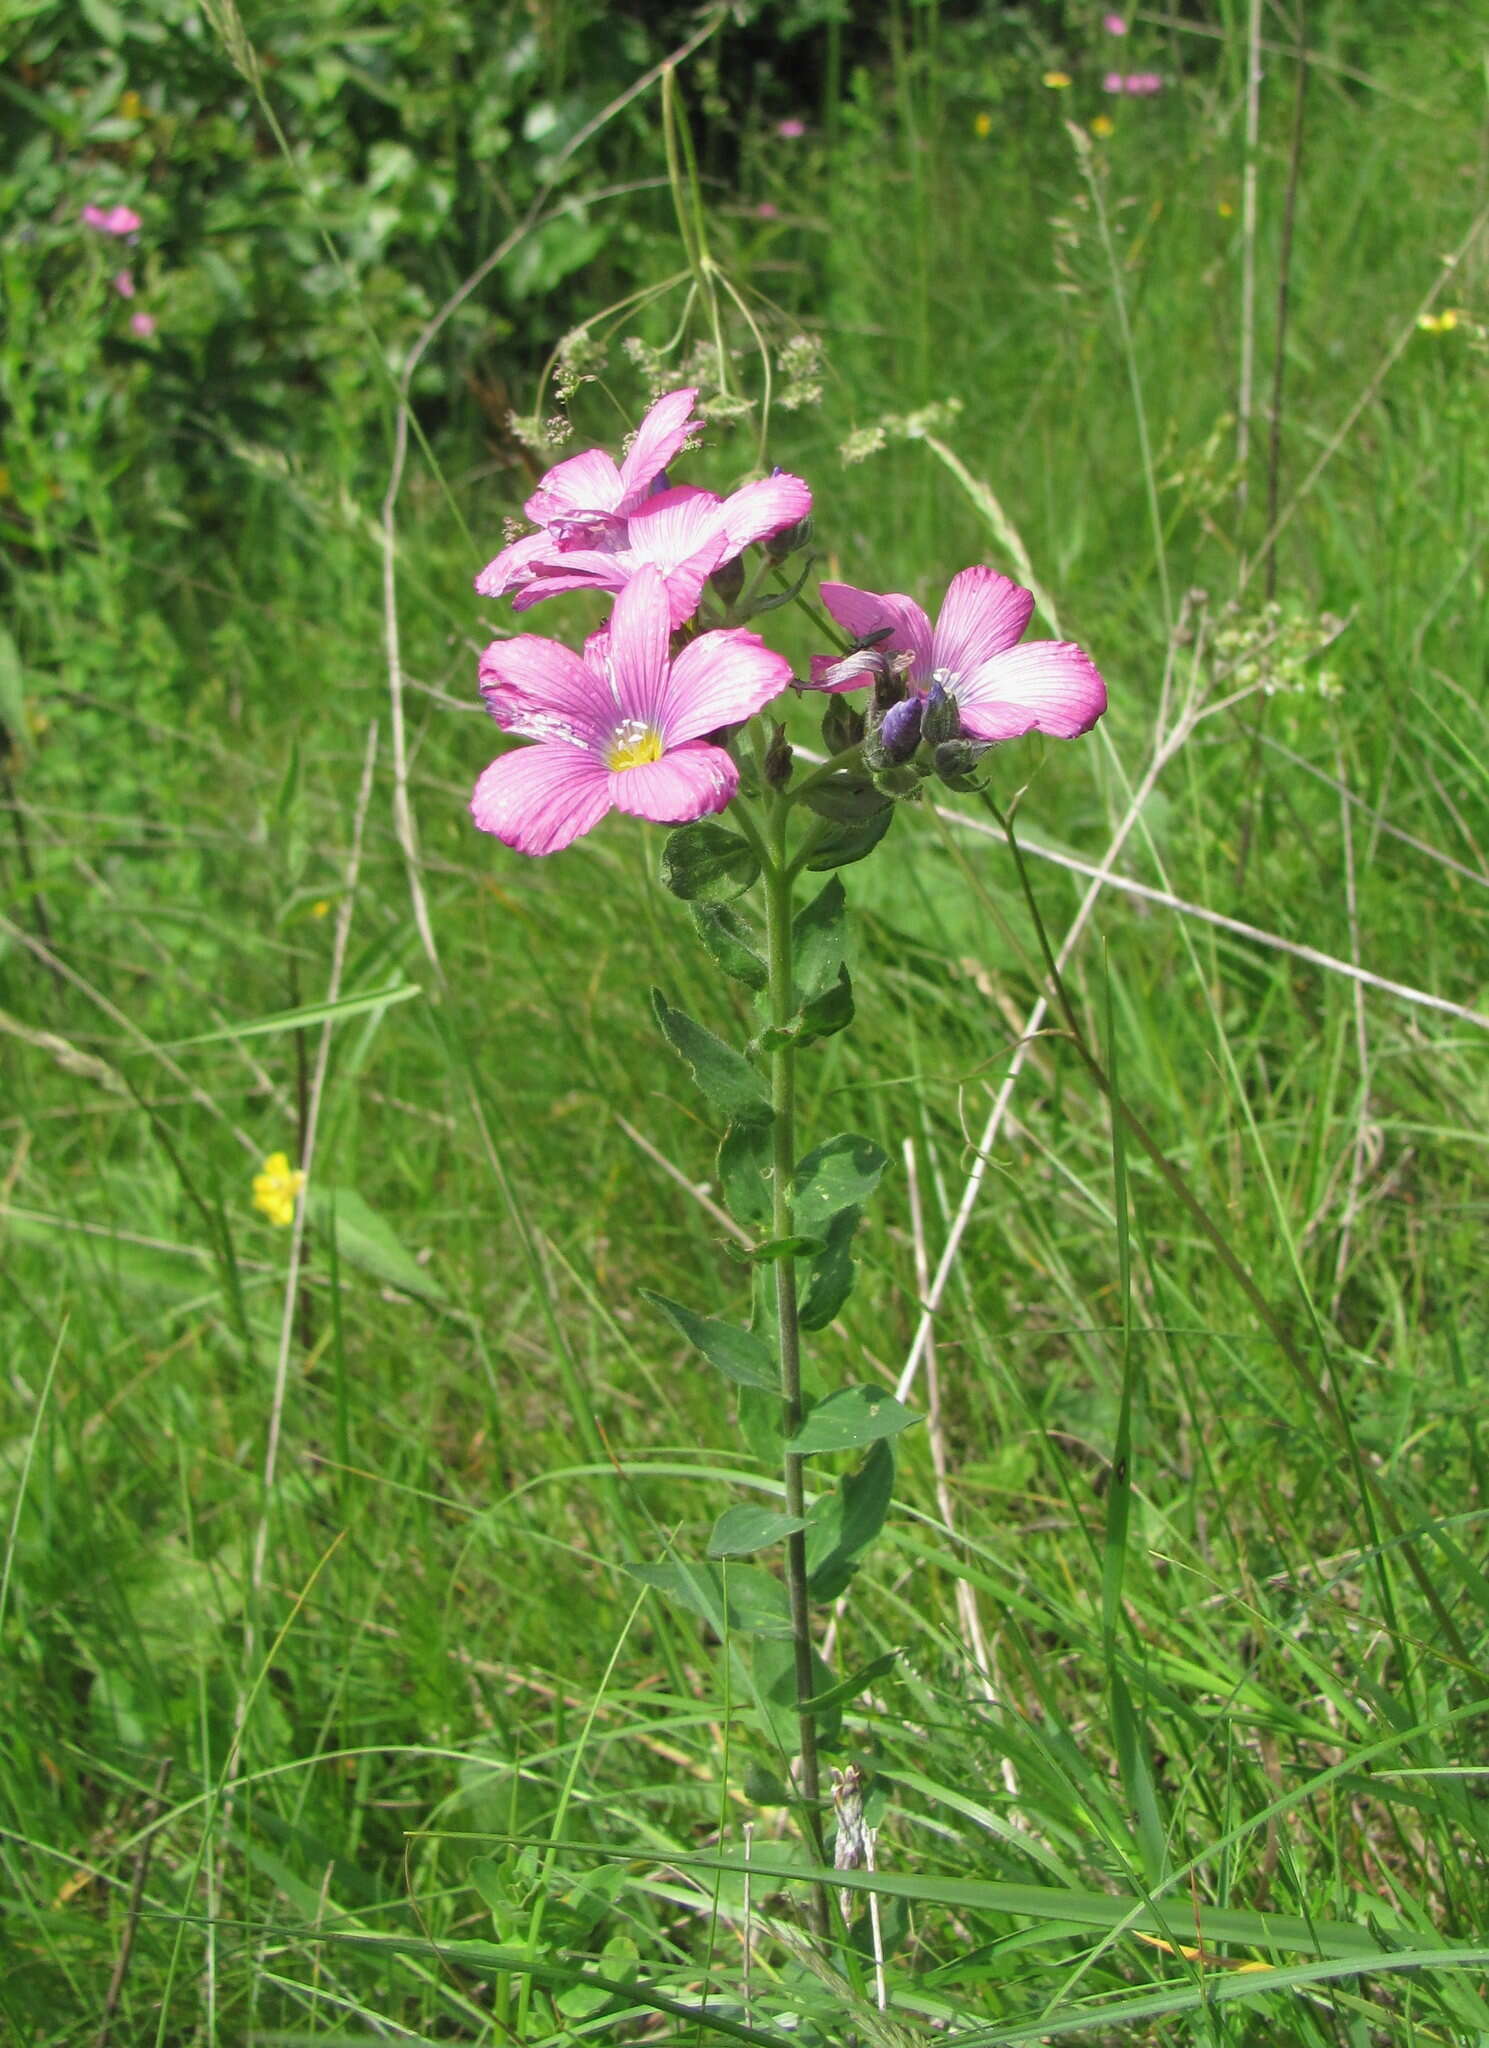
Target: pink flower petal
[
  {"x": 1044, "y": 686},
  {"x": 758, "y": 510},
  {"x": 584, "y": 483},
  {"x": 640, "y": 628},
  {"x": 542, "y": 689},
  {"x": 721, "y": 679},
  {"x": 982, "y": 613},
  {"x": 541, "y": 799},
  {"x": 687, "y": 783},
  {"x": 658, "y": 438},
  {"x": 516, "y": 565},
  {"x": 862, "y": 613}
]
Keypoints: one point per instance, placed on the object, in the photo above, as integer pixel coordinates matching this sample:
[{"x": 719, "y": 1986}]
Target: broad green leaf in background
[
  {"x": 730, "y": 942},
  {"x": 841, "y": 1527},
  {"x": 707, "y": 863},
  {"x": 724, "y": 1075},
  {"x": 832, "y": 1273},
  {"x": 839, "y": 1175},
  {"x": 854, "y": 1416},
  {"x": 739, "y": 1532},
  {"x": 727, "y": 1596},
  {"x": 366, "y": 1241},
  {"x": 738, "y": 1354}
]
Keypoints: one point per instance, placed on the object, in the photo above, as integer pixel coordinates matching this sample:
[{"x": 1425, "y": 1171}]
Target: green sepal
[
  {"x": 724, "y": 1075},
  {"x": 737, "y": 1597},
  {"x": 833, "y": 1272},
  {"x": 729, "y": 940},
  {"x": 849, "y": 1418},
  {"x": 744, "y": 1164},
  {"x": 841, "y": 1527},
  {"x": 841, "y": 1174},
  {"x": 706, "y": 863},
  {"x": 774, "y": 1670},
  {"x": 738, "y": 1354},
  {"x": 739, "y": 1532}
]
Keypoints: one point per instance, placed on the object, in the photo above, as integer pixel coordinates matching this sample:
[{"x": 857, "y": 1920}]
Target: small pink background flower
[
  {"x": 1003, "y": 689},
  {"x": 1114, "y": 24},
  {"x": 621, "y": 727},
  {"x": 1136, "y": 84},
  {"x": 143, "y": 324},
  {"x": 114, "y": 220},
  {"x": 124, "y": 284},
  {"x": 791, "y": 130}
]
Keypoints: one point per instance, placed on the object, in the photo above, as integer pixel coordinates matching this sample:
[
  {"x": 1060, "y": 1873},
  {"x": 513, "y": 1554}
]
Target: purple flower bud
[
  {"x": 899, "y": 735},
  {"x": 942, "y": 719},
  {"x": 727, "y": 581}
]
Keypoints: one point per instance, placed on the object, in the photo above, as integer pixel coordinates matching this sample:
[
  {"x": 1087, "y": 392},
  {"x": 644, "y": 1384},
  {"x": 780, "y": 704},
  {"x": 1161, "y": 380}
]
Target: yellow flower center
[{"x": 634, "y": 745}]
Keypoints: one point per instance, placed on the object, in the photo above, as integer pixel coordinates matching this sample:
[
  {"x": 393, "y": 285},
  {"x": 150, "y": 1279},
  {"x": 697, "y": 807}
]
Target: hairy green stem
[{"x": 778, "y": 881}]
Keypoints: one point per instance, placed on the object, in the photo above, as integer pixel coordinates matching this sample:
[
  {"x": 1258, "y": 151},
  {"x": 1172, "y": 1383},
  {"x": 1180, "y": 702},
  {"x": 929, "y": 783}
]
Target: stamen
[{"x": 634, "y": 744}]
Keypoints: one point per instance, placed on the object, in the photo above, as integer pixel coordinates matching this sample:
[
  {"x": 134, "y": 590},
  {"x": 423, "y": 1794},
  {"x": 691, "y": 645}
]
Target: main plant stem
[{"x": 778, "y": 881}]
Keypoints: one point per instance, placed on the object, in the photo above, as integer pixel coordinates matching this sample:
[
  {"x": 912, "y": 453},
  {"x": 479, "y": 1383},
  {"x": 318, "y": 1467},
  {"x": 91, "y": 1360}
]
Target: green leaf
[
  {"x": 729, "y": 939},
  {"x": 760, "y": 1425},
  {"x": 843, "y": 1526},
  {"x": 774, "y": 1667},
  {"x": 772, "y": 1249},
  {"x": 764, "y": 1788},
  {"x": 725, "y": 1076},
  {"x": 827, "y": 1013},
  {"x": 744, "y": 1165},
  {"x": 741, "y": 1531},
  {"x": 841, "y": 845},
  {"x": 818, "y": 937},
  {"x": 738, "y": 1354},
  {"x": 841, "y": 1174},
  {"x": 737, "y": 1597},
  {"x": 706, "y": 863},
  {"x": 833, "y": 1273},
  {"x": 306, "y": 1015},
  {"x": 847, "y": 798},
  {"x": 849, "y": 1688},
  {"x": 366, "y": 1241},
  {"x": 12, "y": 693},
  {"x": 853, "y": 1416}
]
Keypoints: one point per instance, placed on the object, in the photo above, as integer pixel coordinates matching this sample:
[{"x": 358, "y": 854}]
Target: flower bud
[
  {"x": 955, "y": 760},
  {"x": 778, "y": 759},
  {"x": 899, "y": 734},
  {"x": 790, "y": 540},
  {"x": 889, "y": 682},
  {"x": 727, "y": 581},
  {"x": 942, "y": 719},
  {"x": 842, "y": 726}
]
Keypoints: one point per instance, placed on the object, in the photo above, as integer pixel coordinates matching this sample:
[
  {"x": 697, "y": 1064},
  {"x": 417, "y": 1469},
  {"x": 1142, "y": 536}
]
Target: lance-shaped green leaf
[
  {"x": 366, "y": 1241},
  {"x": 849, "y": 1418},
  {"x": 737, "y": 1597},
  {"x": 840, "y": 1528},
  {"x": 744, "y": 1165},
  {"x": 730, "y": 940},
  {"x": 773, "y": 1665},
  {"x": 739, "y": 1532},
  {"x": 738, "y": 1354},
  {"x": 841, "y": 1174},
  {"x": 724, "y": 1075},
  {"x": 772, "y": 1250},
  {"x": 829, "y": 1012},
  {"x": 706, "y": 863},
  {"x": 847, "y": 1689},
  {"x": 841, "y": 845},
  {"x": 819, "y": 935},
  {"x": 834, "y": 1270}
]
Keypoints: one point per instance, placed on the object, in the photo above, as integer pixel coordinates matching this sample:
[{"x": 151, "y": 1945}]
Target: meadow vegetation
[{"x": 328, "y": 1710}]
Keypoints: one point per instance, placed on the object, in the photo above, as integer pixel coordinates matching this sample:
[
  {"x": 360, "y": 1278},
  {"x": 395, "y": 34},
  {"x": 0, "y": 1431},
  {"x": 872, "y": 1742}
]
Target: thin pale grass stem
[
  {"x": 1246, "y": 374},
  {"x": 1360, "y": 1148}
]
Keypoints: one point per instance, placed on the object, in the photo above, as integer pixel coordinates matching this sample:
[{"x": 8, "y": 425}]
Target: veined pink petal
[
  {"x": 542, "y": 689},
  {"x": 687, "y": 783},
  {"x": 584, "y": 483},
  {"x": 541, "y": 799},
  {"x": 516, "y": 565},
  {"x": 982, "y": 613},
  {"x": 757, "y": 510},
  {"x": 721, "y": 679},
  {"x": 673, "y": 526},
  {"x": 862, "y": 613},
  {"x": 1043, "y": 686},
  {"x": 658, "y": 438},
  {"x": 640, "y": 627}
]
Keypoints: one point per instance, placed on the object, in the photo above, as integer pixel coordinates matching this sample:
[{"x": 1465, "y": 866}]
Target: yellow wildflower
[
  {"x": 275, "y": 1189},
  {"x": 983, "y": 125},
  {"x": 1056, "y": 80},
  {"x": 321, "y": 908},
  {"x": 1103, "y": 125},
  {"x": 131, "y": 106},
  {"x": 1439, "y": 323},
  {"x": 1225, "y": 209}
]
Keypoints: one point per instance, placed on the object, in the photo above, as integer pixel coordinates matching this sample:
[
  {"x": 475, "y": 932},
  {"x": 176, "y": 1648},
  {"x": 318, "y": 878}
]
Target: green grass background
[{"x": 1248, "y": 1681}]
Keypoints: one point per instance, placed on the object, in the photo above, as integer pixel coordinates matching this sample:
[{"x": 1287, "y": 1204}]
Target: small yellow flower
[
  {"x": 131, "y": 106},
  {"x": 275, "y": 1189},
  {"x": 1439, "y": 323},
  {"x": 1056, "y": 80},
  {"x": 1103, "y": 125},
  {"x": 983, "y": 125},
  {"x": 320, "y": 909},
  {"x": 1225, "y": 209}
]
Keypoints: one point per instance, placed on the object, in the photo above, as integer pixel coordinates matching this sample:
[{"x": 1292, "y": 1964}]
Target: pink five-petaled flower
[
  {"x": 113, "y": 220},
  {"x": 1002, "y": 689},
  {"x": 1114, "y": 24},
  {"x": 622, "y": 727},
  {"x": 599, "y": 524}
]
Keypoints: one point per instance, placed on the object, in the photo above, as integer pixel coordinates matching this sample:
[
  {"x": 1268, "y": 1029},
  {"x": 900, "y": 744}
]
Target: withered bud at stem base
[{"x": 778, "y": 759}]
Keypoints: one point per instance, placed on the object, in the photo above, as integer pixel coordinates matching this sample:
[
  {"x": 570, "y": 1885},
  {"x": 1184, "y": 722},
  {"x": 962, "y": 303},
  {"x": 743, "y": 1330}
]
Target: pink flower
[
  {"x": 117, "y": 220},
  {"x": 1114, "y": 24},
  {"x": 599, "y": 524},
  {"x": 791, "y": 130},
  {"x": 124, "y": 284},
  {"x": 1002, "y": 689},
  {"x": 143, "y": 324},
  {"x": 1137, "y": 84},
  {"x": 621, "y": 728},
  {"x": 766, "y": 210}
]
